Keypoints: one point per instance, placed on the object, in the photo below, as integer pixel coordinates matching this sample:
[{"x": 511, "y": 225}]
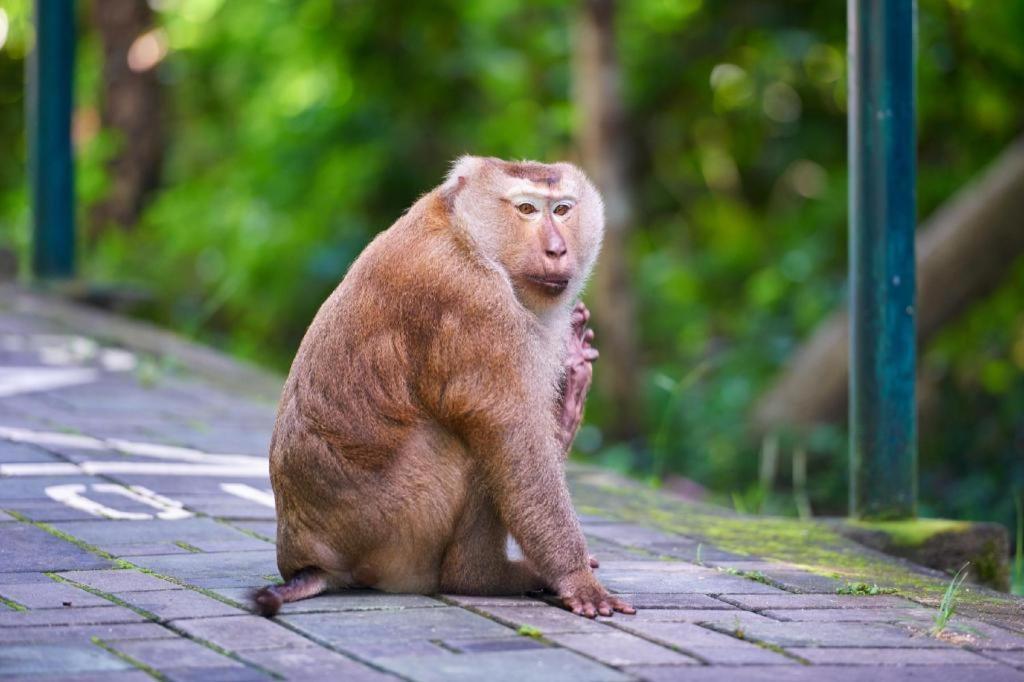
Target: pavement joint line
[
  {"x": 148, "y": 615},
  {"x": 154, "y": 618},
  {"x": 67, "y": 537},
  {"x": 330, "y": 647},
  {"x": 662, "y": 643},
  {"x": 221, "y": 650},
  {"x": 10, "y": 603},
  {"x": 740, "y": 634},
  {"x": 135, "y": 663},
  {"x": 192, "y": 549},
  {"x": 251, "y": 533},
  {"x": 479, "y": 610}
]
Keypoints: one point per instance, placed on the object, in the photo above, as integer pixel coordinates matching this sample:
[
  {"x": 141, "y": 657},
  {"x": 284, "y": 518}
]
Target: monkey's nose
[{"x": 555, "y": 251}]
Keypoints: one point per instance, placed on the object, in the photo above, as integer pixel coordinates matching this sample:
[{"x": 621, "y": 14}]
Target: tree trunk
[
  {"x": 131, "y": 106},
  {"x": 602, "y": 146},
  {"x": 964, "y": 252}
]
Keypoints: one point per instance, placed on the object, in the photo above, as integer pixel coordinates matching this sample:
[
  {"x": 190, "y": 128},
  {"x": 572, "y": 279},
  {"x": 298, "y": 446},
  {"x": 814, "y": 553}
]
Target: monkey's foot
[
  {"x": 579, "y": 373},
  {"x": 582, "y": 594}
]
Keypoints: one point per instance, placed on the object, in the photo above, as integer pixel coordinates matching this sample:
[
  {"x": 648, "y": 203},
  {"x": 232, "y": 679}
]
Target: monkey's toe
[{"x": 267, "y": 602}]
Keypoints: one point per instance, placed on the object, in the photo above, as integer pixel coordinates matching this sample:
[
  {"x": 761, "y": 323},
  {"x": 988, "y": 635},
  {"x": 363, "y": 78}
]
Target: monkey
[{"x": 434, "y": 398}]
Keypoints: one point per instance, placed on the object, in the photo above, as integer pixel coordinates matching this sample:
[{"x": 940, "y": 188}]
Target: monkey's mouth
[{"x": 550, "y": 283}]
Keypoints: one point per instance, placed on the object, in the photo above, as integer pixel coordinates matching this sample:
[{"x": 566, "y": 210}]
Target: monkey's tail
[{"x": 308, "y": 582}]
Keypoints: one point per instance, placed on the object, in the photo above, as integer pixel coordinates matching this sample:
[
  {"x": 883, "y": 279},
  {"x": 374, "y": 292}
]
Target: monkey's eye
[
  {"x": 562, "y": 209},
  {"x": 526, "y": 208}
]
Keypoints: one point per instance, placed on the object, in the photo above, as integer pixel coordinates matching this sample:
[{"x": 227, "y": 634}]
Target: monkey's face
[
  {"x": 542, "y": 223},
  {"x": 541, "y": 253}
]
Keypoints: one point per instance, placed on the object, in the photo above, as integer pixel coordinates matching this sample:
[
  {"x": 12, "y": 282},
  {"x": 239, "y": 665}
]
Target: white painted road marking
[
  {"x": 185, "y": 461},
  {"x": 18, "y": 380},
  {"x": 71, "y": 495},
  {"x": 258, "y": 469},
  {"x": 173, "y": 461},
  {"x": 247, "y": 492}
]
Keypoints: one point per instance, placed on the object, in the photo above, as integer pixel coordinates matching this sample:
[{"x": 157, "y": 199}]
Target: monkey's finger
[
  {"x": 604, "y": 608},
  {"x": 574, "y": 605},
  {"x": 588, "y": 610},
  {"x": 594, "y": 563},
  {"x": 591, "y": 354},
  {"x": 621, "y": 606}
]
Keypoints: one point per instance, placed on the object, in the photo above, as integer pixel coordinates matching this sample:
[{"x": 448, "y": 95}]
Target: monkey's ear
[{"x": 463, "y": 168}]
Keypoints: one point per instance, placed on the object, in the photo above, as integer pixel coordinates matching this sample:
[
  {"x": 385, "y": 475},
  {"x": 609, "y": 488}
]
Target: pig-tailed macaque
[{"x": 433, "y": 400}]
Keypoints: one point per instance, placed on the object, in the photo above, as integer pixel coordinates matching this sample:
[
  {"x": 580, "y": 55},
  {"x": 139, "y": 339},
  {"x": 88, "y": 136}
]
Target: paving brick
[
  {"x": 621, "y": 648},
  {"x": 166, "y": 654},
  {"x": 922, "y": 673},
  {"x": 173, "y": 604},
  {"x": 708, "y": 645},
  {"x": 978, "y": 634},
  {"x": 632, "y": 535},
  {"x": 840, "y": 635},
  {"x": 51, "y": 595},
  {"x": 348, "y": 600},
  {"x": 53, "y": 659},
  {"x": 548, "y": 619},
  {"x": 242, "y": 633},
  {"x": 816, "y": 601},
  {"x": 22, "y": 452},
  {"x": 198, "y": 532},
  {"x": 875, "y": 656},
  {"x": 223, "y": 674},
  {"x": 1014, "y": 658},
  {"x": 83, "y": 633},
  {"x": 511, "y": 643},
  {"x": 242, "y": 569},
  {"x": 677, "y": 600},
  {"x": 69, "y": 616},
  {"x": 34, "y": 487},
  {"x": 464, "y": 600},
  {"x": 359, "y": 627},
  {"x": 705, "y": 581},
  {"x": 547, "y": 665},
  {"x": 119, "y": 580},
  {"x": 313, "y": 664},
  {"x": 725, "y": 619},
  {"x": 908, "y": 615},
  {"x": 27, "y": 548},
  {"x": 45, "y": 511},
  {"x": 24, "y": 578}
]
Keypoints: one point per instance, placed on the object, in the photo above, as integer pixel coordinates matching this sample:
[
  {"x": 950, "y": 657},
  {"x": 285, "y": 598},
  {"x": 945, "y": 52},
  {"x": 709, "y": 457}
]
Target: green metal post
[
  {"x": 51, "y": 171},
  {"x": 882, "y": 157}
]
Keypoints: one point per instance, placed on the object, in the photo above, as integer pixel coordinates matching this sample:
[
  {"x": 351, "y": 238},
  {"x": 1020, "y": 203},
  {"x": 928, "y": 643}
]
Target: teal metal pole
[
  {"x": 51, "y": 171},
  {"x": 882, "y": 158}
]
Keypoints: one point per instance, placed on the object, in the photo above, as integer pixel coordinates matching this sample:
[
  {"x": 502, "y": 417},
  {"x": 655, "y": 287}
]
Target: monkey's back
[{"x": 359, "y": 415}]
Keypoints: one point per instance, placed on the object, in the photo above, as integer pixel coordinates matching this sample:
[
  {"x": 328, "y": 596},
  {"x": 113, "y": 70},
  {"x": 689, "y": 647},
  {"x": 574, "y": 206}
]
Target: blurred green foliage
[{"x": 300, "y": 129}]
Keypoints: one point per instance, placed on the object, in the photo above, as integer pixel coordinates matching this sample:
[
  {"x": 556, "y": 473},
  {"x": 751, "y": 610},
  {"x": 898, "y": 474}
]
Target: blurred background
[{"x": 233, "y": 158}]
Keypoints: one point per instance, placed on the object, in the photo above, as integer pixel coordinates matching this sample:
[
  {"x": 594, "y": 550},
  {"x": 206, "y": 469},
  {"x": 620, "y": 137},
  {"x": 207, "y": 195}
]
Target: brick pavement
[{"x": 136, "y": 514}]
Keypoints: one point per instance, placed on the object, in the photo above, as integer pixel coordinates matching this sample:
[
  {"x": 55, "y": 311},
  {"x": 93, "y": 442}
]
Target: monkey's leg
[
  {"x": 307, "y": 583},
  {"x": 579, "y": 372},
  {"x": 580, "y": 355},
  {"x": 476, "y": 562}
]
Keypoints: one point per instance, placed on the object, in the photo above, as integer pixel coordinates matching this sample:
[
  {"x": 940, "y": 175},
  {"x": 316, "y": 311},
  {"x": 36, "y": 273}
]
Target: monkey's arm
[{"x": 520, "y": 458}]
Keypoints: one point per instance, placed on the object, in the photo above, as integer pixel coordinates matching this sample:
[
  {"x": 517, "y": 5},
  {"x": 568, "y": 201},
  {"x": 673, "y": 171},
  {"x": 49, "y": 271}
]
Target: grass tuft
[
  {"x": 864, "y": 590},
  {"x": 948, "y": 606},
  {"x": 529, "y": 631}
]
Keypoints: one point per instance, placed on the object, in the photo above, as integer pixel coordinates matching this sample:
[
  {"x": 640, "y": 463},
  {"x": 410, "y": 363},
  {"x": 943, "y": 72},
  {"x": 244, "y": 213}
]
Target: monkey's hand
[
  {"x": 582, "y": 594},
  {"x": 579, "y": 372}
]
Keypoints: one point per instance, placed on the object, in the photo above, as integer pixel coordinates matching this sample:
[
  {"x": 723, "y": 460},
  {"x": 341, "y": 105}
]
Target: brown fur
[{"x": 420, "y": 423}]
